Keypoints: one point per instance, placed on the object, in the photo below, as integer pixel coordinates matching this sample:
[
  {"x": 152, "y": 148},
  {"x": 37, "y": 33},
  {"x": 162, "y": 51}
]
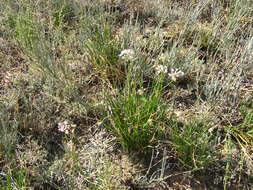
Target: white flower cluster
[
  {"x": 176, "y": 74},
  {"x": 127, "y": 54},
  {"x": 66, "y": 127},
  {"x": 160, "y": 69},
  {"x": 173, "y": 75}
]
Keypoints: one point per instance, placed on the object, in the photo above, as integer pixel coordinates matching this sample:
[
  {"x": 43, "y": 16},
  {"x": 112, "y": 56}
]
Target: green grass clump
[
  {"x": 193, "y": 144},
  {"x": 136, "y": 116},
  {"x": 15, "y": 179},
  {"x": 103, "y": 53},
  {"x": 65, "y": 13}
]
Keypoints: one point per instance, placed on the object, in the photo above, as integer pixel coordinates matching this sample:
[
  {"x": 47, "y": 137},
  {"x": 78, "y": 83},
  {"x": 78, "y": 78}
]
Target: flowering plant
[
  {"x": 66, "y": 127},
  {"x": 175, "y": 74},
  {"x": 127, "y": 54}
]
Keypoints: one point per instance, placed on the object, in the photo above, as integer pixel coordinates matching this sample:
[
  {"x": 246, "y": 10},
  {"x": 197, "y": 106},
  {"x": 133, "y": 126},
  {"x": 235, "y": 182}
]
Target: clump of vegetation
[
  {"x": 103, "y": 54},
  {"x": 136, "y": 115},
  {"x": 86, "y": 86},
  {"x": 193, "y": 144}
]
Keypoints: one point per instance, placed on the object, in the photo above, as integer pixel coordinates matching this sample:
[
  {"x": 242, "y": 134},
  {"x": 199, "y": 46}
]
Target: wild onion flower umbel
[
  {"x": 160, "y": 69},
  {"x": 127, "y": 54},
  {"x": 66, "y": 127},
  {"x": 175, "y": 74}
]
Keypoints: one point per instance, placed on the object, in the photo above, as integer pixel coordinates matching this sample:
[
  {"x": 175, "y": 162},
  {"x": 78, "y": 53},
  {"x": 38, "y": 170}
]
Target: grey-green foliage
[{"x": 40, "y": 42}]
